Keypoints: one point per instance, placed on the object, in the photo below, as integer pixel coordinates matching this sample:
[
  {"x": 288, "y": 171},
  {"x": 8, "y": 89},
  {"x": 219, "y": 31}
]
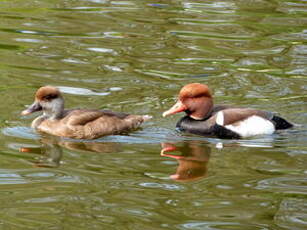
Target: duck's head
[
  {"x": 195, "y": 100},
  {"x": 49, "y": 100}
]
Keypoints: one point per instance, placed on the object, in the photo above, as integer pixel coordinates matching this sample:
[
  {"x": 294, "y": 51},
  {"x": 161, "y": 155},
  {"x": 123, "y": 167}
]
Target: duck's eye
[
  {"x": 50, "y": 97},
  {"x": 188, "y": 112}
]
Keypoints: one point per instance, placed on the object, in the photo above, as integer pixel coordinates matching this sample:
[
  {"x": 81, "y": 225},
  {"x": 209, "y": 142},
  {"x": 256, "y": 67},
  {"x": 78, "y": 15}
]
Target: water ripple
[
  {"x": 134, "y": 56},
  {"x": 81, "y": 91},
  {"x": 292, "y": 214},
  {"x": 288, "y": 185},
  {"x": 221, "y": 225}
]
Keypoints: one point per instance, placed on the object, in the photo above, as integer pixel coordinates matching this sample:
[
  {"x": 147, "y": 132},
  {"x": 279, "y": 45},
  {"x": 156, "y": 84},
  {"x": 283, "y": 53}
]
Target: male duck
[
  {"x": 77, "y": 123},
  {"x": 203, "y": 118}
]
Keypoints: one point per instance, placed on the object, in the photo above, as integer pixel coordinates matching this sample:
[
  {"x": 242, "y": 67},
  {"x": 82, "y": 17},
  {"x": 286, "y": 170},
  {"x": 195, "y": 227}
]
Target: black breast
[
  {"x": 204, "y": 128},
  {"x": 200, "y": 127}
]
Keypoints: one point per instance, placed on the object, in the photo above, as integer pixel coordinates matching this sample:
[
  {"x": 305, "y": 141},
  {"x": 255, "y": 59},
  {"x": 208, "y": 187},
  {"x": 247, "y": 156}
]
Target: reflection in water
[
  {"x": 133, "y": 56},
  {"x": 51, "y": 149},
  {"x": 194, "y": 154},
  {"x": 98, "y": 147},
  {"x": 51, "y": 154},
  {"x": 193, "y": 161}
]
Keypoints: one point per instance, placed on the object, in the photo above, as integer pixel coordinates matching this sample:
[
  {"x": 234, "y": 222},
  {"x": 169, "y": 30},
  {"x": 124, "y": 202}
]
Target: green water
[{"x": 134, "y": 56}]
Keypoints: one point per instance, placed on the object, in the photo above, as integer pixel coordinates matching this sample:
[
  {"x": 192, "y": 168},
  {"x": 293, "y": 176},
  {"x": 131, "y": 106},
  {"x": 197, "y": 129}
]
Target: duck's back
[{"x": 91, "y": 124}]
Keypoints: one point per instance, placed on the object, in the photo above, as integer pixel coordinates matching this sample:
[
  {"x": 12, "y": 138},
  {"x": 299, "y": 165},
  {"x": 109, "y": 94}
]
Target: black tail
[{"x": 281, "y": 123}]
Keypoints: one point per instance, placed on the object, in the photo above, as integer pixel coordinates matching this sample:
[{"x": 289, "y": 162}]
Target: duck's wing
[
  {"x": 199, "y": 127},
  {"x": 217, "y": 108},
  {"x": 90, "y": 124},
  {"x": 243, "y": 122},
  {"x": 234, "y": 115},
  {"x": 82, "y": 117},
  {"x": 119, "y": 115}
]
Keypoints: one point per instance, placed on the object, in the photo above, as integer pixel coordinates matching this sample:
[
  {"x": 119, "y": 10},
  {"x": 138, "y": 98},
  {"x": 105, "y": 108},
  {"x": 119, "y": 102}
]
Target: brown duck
[{"x": 77, "y": 123}]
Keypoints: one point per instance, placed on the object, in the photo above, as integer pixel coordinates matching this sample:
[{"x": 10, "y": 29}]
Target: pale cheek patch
[{"x": 252, "y": 126}]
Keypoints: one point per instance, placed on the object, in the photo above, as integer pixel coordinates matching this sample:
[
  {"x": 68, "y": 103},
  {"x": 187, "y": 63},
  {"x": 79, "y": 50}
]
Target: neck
[
  {"x": 57, "y": 115},
  {"x": 202, "y": 110},
  {"x": 56, "y": 111},
  {"x": 54, "y": 115}
]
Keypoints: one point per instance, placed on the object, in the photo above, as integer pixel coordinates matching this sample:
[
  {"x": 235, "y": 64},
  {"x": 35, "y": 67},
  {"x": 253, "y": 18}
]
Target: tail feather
[
  {"x": 135, "y": 121},
  {"x": 281, "y": 123},
  {"x": 146, "y": 117}
]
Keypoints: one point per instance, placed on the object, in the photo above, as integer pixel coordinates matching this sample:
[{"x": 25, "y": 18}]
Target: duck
[
  {"x": 77, "y": 123},
  {"x": 222, "y": 121}
]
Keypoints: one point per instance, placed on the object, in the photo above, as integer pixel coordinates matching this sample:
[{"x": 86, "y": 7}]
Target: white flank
[
  {"x": 220, "y": 118},
  {"x": 252, "y": 126}
]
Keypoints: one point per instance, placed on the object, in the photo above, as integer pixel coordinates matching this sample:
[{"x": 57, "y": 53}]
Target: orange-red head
[{"x": 195, "y": 99}]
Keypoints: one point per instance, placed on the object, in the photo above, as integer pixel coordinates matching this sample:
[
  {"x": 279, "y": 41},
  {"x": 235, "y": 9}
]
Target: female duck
[
  {"x": 203, "y": 118},
  {"x": 77, "y": 123}
]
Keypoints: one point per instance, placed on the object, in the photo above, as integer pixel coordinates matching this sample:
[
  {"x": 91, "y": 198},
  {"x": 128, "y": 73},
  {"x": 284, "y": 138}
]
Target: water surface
[{"x": 134, "y": 56}]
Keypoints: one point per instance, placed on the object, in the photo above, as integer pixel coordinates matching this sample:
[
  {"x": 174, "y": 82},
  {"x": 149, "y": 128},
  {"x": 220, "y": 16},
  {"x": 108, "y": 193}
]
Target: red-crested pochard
[
  {"x": 203, "y": 118},
  {"x": 77, "y": 123}
]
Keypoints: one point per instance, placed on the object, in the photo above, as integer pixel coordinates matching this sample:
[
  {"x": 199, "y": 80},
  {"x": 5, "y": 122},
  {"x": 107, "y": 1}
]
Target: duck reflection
[
  {"x": 193, "y": 161},
  {"x": 51, "y": 150},
  {"x": 50, "y": 155}
]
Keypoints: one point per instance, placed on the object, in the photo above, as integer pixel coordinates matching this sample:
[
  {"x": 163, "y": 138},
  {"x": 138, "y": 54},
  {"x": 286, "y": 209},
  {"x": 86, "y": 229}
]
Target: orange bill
[{"x": 177, "y": 108}]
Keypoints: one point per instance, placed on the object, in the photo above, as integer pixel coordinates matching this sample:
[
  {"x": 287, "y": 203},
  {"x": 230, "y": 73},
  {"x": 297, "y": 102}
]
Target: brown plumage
[
  {"x": 194, "y": 90},
  {"x": 77, "y": 123}
]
